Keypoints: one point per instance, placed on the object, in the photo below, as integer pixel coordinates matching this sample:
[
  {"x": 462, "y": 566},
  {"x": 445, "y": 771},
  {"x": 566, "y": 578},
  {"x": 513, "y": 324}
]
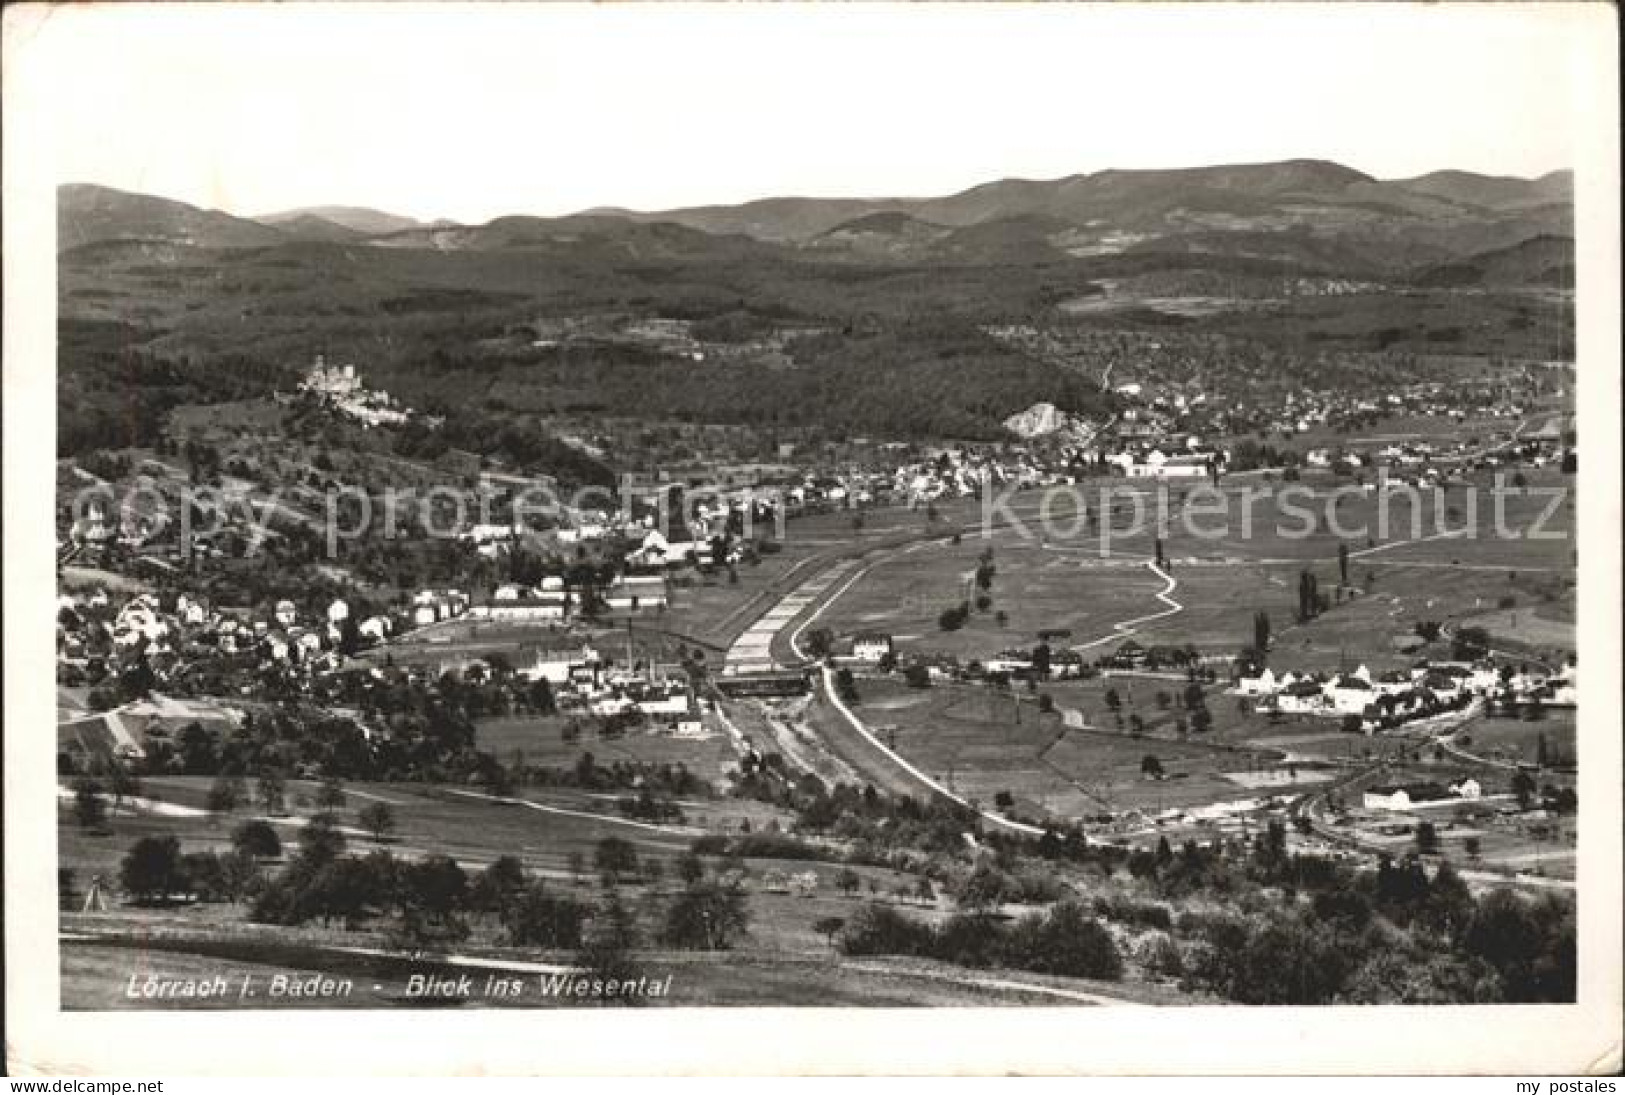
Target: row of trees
[
  {"x": 433, "y": 903},
  {"x": 1066, "y": 939},
  {"x": 1338, "y": 935}
]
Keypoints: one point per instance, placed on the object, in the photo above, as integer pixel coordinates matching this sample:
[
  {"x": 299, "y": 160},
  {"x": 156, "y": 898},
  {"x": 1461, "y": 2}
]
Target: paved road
[{"x": 753, "y": 650}]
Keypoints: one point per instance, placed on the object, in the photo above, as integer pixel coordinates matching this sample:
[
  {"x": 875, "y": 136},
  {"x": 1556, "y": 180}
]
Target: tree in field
[
  {"x": 378, "y": 819},
  {"x": 495, "y": 779},
  {"x": 541, "y": 697},
  {"x": 225, "y": 795},
  {"x": 1261, "y": 633},
  {"x": 1532, "y": 950},
  {"x": 436, "y": 885},
  {"x": 345, "y": 890},
  {"x": 706, "y": 916},
  {"x": 197, "y": 749},
  {"x": 541, "y": 919},
  {"x": 256, "y": 839},
  {"x": 846, "y": 686},
  {"x": 271, "y": 793},
  {"x": 1474, "y": 847},
  {"x": 1427, "y": 838},
  {"x": 829, "y": 927},
  {"x": 320, "y": 841},
  {"x": 1308, "y": 597},
  {"x": 848, "y": 881},
  {"x": 205, "y": 876},
  {"x": 1114, "y": 702},
  {"x": 496, "y": 887},
  {"x": 1070, "y": 942},
  {"x": 239, "y": 874},
  {"x": 123, "y": 783},
  {"x": 820, "y": 642},
  {"x": 429, "y": 893},
  {"x": 983, "y": 889},
  {"x": 151, "y": 870},
  {"x": 611, "y": 937},
  {"x": 1201, "y": 720},
  {"x": 614, "y": 858},
  {"x": 1343, "y": 564},
  {"x": 330, "y": 795},
  {"x": 89, "y": 808},
  {"x": 690, "y": 868},
  {"x": 1286, "y": 962},
  {"x": 1151, "y": 766},
  {"x": 1470, "y": 643},
  {"x": 1523, "y": 788}
]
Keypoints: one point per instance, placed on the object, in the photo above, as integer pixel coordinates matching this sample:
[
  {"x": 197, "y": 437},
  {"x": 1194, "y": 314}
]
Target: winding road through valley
[{"x": 753, "y": 651}]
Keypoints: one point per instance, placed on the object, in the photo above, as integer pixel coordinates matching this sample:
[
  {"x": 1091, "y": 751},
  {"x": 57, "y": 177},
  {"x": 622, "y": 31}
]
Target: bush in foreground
[{"x": 1066, "y": 940}]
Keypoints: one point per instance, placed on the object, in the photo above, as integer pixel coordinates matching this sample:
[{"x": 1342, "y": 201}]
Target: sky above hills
[{"x": 471, "y": 112}]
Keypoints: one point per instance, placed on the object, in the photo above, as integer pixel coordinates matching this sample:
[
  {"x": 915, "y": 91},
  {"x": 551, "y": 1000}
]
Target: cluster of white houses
[
  {"x": 1394, "y": 696},
  {"x": 960, "y": 473},
  {"x": 553, "y": 601},
  {"x": 158, "y": 628},
  {"x": 1194, "y": 463},
  {"x": 90, "y": 626},
  {"x": 1410, "y": 796},
  {"x": 581, "y": 677}
]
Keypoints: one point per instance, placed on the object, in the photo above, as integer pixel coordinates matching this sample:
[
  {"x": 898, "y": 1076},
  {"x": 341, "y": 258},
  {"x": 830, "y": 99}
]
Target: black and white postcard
[{"x": 812, "y": 538}]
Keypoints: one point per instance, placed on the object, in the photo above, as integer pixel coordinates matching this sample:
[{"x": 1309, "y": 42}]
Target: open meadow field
[
  {"x": 785, "y": 948},
  {"x": 541, "y": 740},
  {"x": 1035, "y": 589},
  {"x": 970, "y": 738},
  {"x": 1422, "y": 557},
  {"x": 1517, "y": 740},
  {"x": 540, "y": 827},
  {"x": 715, "y": 610},
  {"x": 781, "y": 956}
]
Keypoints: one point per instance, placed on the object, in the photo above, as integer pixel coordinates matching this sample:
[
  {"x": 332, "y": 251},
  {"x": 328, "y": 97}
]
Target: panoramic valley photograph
[{"x": 1145, "y": 582}]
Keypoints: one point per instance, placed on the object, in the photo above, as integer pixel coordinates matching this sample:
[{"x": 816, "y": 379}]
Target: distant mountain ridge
[
  {"x": 94, "y": 214},
  {"x": 1132, "y": 198},
  {"x": 1494, "y": 191},
  {"x": 358, "y": 219},
  {"x": 90, "y": 214},
  {"x": 1543, "y": 261},
  {"x": 1312, "y": 214},
  {"x": 997, "y": 312}
]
